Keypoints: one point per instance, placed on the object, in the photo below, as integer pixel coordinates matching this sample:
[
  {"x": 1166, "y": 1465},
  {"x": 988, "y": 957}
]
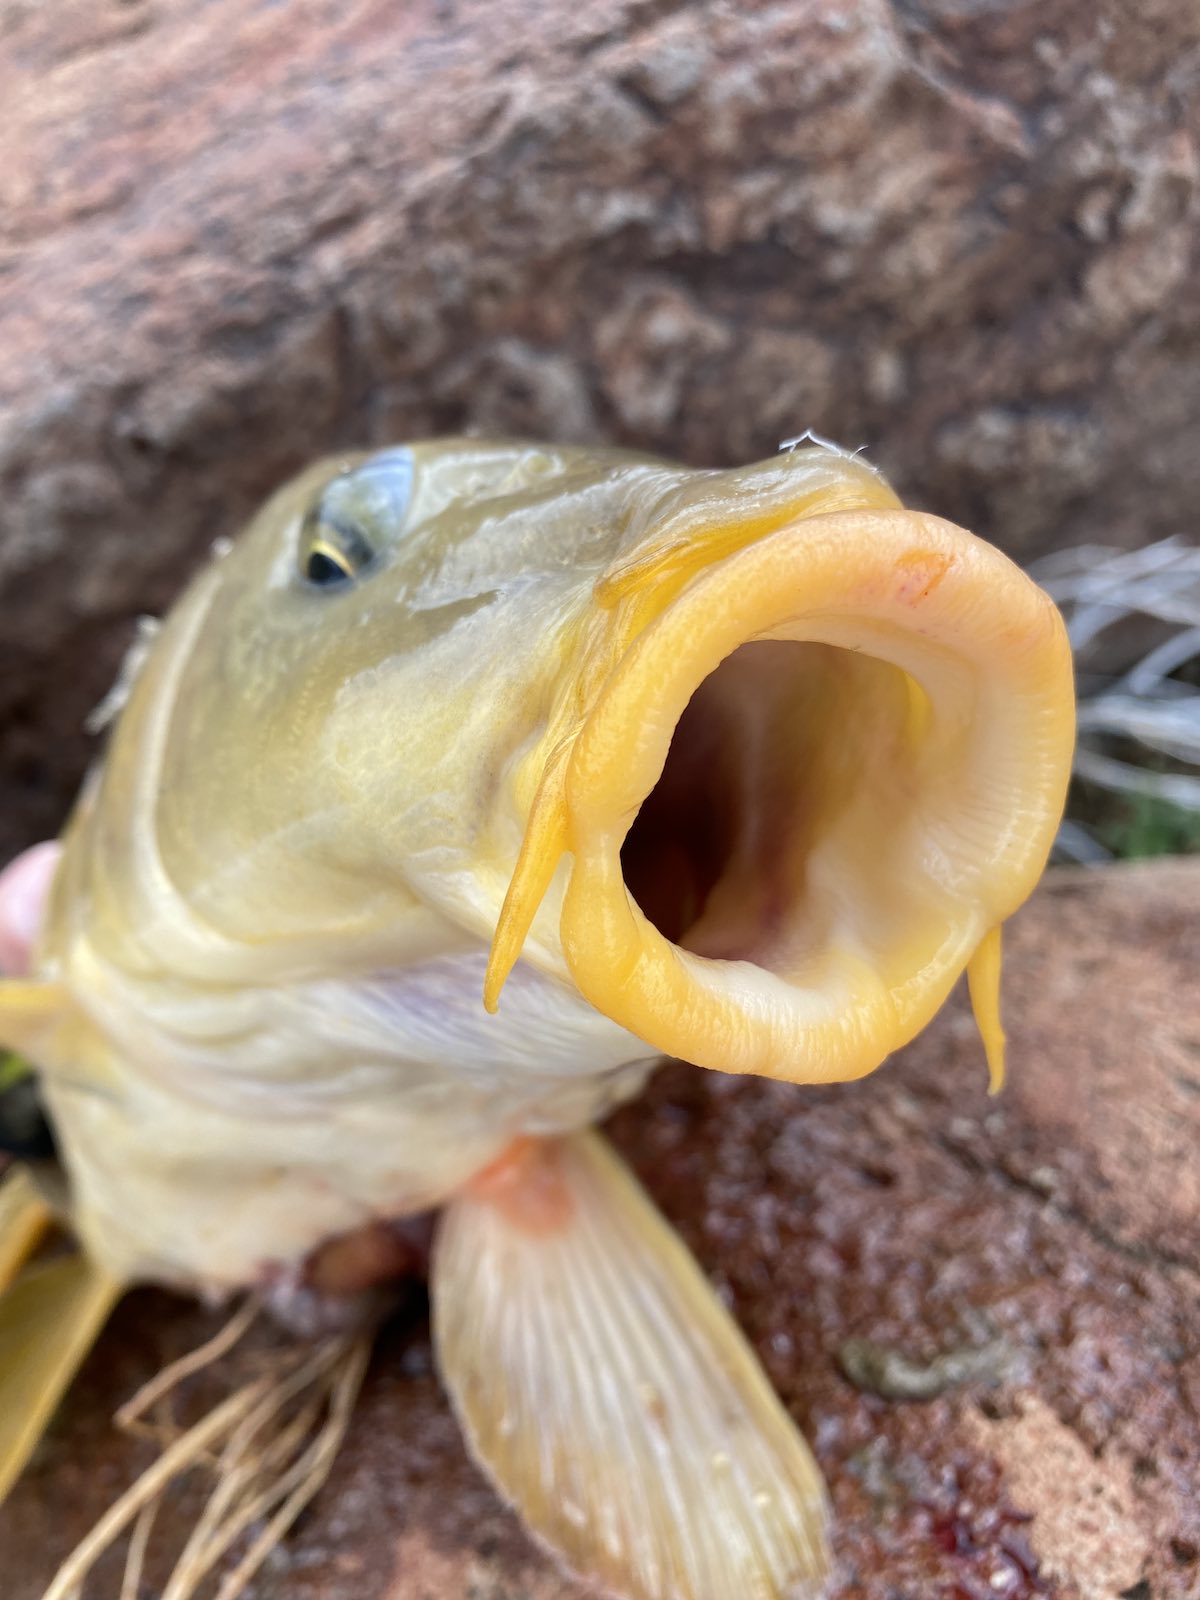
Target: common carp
[{"x": 468, "y": 782}]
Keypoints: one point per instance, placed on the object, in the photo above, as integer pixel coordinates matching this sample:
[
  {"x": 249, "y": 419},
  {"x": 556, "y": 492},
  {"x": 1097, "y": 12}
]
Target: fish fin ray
[
  {"x": 49, "y": 1320},
  {"x": 30, "y": 1008},
  {"x": 610, "y": 1396},
  {"x": 24, "y": 1219}
]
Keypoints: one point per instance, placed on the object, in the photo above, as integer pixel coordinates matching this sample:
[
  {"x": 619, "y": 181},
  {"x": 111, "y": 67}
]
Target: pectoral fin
[
  {"x": 24, "y": 1218},
  {"x": 30, "y": 1010},
  {"x": 49, "y": 1320},
  {"x": 609, "y": 1394}
]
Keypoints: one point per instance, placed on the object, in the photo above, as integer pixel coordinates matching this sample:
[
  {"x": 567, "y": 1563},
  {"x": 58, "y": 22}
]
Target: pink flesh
[{"x": 24, "y": 886}]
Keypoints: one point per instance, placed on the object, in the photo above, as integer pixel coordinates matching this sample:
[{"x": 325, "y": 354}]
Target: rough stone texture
[
  {"x": 235, "y": 235},
  {"x": 910, "y": 1210}
]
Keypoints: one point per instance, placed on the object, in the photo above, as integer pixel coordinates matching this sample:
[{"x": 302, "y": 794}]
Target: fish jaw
[{"x": 881, "y": 707}]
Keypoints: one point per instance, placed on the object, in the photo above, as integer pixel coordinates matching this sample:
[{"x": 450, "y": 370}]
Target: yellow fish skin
[
  {"x": 277, "y": 894},
  {"x": 471, "y": 779}
]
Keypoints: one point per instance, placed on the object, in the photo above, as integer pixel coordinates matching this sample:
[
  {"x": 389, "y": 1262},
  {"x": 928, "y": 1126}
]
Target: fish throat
[{"x": 771, "y": 748}]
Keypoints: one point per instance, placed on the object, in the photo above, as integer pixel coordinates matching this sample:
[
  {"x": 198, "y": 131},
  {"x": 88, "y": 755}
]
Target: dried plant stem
[
  {"x": 128, "y": 1417},
  {"x": 323, "y": 1452},
  {"x": 175, "y": 1459},
  {"x": 135, "y": 1558},
  {"x": 270, "y": 1445},
  {"x": 241, "y": 1467},
  {"x": 1134, "y": 621}
]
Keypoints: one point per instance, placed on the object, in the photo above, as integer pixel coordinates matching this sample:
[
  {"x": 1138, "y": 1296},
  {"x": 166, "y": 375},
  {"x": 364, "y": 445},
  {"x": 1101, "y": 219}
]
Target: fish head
[
  {"x": 755, "y": 761},
  {"x": 309, "y": 769},
  {"x": 818, "y": 750}
]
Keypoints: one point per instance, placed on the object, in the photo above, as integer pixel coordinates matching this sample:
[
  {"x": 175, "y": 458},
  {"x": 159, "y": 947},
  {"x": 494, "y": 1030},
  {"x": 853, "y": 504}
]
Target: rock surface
[
  {"x": 1055, "y": 1226},
  {"x": 234, "y": 236}
]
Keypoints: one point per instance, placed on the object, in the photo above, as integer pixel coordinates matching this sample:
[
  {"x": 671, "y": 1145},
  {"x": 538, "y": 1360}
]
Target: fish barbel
[{"x": 472, "y": 779}]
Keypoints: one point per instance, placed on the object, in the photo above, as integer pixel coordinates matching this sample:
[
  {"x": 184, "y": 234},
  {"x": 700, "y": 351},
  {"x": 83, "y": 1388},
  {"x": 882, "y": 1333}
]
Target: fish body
[{"x": 470, "y": 780}]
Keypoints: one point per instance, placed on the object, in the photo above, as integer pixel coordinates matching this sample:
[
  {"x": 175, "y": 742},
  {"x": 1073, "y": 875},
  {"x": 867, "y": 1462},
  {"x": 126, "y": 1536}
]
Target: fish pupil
[{"x": 322, "y": 569}]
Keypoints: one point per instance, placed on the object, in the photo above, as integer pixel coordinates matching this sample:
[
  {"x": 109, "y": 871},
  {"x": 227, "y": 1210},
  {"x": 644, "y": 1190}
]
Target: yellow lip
[{"x": 874, "y": 711}]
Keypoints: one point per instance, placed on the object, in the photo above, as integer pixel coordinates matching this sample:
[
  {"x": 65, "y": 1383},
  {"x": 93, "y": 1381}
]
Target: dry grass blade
[
  {"x": 135, "y": 1559},
  {"x": 129, "y": 1416},
  {"x": 323, "y": 1453},
  {"x": 1134, "y": 622},
  {"x": 270, "y": 1446},
  {"x": 251, "y": 1473},
  {"x": 178, "y": 1457}
]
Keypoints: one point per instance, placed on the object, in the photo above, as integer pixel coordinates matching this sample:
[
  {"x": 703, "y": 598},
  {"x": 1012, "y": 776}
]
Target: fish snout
[{"x": 810, "y": 790}]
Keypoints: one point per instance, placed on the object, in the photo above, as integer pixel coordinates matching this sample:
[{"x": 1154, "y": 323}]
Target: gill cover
[{"x": 812, "y": 753}]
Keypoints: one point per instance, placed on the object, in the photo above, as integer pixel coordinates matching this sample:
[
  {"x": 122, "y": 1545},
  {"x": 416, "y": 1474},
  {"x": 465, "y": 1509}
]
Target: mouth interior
[{"x": 791, "y": 778}]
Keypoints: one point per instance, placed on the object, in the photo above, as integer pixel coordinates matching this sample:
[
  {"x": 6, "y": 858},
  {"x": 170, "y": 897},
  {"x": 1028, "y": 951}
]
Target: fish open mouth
[
  {"x": 773, "y": 749},
  {"x": 811, "y": 790}
]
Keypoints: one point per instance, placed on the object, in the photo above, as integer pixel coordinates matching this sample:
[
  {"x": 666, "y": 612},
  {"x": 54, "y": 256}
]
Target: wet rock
[{"x": 911, "y": 1211}]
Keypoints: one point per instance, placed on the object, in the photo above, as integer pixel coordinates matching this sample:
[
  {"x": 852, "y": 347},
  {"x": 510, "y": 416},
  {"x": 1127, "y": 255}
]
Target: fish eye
[{"x": 357, "y": 515}]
